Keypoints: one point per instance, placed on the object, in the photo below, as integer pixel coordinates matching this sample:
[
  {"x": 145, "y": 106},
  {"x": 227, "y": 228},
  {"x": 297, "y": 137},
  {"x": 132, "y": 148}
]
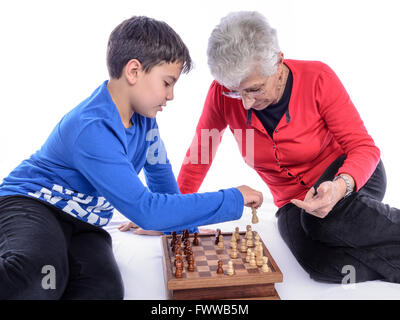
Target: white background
[{"x": 52, "y": 57}]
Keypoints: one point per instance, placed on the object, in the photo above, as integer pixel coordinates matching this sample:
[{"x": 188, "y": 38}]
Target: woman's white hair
[{"x": 242, "y": 42}]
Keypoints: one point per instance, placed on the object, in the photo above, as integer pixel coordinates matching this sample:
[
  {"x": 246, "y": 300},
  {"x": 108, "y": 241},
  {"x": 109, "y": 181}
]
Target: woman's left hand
[{"x": 320, "y": 203}]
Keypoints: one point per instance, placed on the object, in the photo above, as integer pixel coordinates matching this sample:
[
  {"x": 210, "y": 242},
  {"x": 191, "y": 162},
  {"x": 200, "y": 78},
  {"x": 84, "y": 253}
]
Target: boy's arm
[
  {"x": 157, "y": 169},
  {"x": 100, "y": 157},
  {"x": 209, "y": 131},
  {"x": 159, "y": 175}
]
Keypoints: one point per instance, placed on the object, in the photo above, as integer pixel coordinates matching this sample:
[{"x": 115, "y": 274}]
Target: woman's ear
[
  {"x": 281, "y": 57},
  {"x": 132, "y": 70}
]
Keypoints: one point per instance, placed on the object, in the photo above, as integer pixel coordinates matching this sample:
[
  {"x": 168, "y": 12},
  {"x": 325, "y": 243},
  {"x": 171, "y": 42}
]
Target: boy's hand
[
  {"x": 127, "y": 226},
  {"x": 252, "y": 198},
  {"x": 137, "y": 230}
]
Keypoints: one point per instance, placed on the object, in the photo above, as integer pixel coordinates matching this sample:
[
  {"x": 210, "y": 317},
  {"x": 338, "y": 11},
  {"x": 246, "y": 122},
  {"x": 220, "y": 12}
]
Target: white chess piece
[
  {"x": 230, "y": 271},
  {"x": 221, "y": 242},
  {"x": 234, "y": 254},
  {"x": 252, "y": 260},
  {"x": 265, "y": 267},
  {"x": 254, "y": 219},
  {"x": 248, "y": 256},
  {"x": 237, "y": 234},
  {"x": 243, "y": 247}
]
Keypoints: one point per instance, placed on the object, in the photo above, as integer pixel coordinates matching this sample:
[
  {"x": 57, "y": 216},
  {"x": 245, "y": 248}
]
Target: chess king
[
  {"x": 308, "y": 143},
  {"x": 54, "y": 205}
]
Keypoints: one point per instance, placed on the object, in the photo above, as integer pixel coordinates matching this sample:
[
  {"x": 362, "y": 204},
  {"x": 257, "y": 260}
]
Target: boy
[{"x": 53, "y": 205}]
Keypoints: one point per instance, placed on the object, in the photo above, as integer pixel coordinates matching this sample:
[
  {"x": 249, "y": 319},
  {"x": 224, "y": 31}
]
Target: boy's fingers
[
  {"x": 143, "y": 232},
  {"x": 127, "y": 226}
]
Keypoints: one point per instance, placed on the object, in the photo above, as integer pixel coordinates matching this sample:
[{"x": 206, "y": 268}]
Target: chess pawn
[
  {"x": 196, "y": 239},
  {"x": 191, "y": 264},
  {"x": 249, "y": 234},
  {"x": 220, "y": 270},
  {"x": 237, "y": 234},
  {"x": 243, "y": 247},
  {"x": 254, "y": 219},
  {"x": 218, "y": 233},
  {"x": 233, "y": 244},
  {"x": 178, "y": 258},
  {"x": 253, "y": 260},
  {"x": 258, "y": 250},
  {"x": 265, "y": 267},
  {"x": 234, "y": 254},
  {"x": 178, "y": 249},
  {"x": 248, "y": 256},
  {"x": 221, "y": 242},
  {"x": 179, "y": 269},
  {"x": 230, "y": 271},
  {"x": 260, "y": 261}
]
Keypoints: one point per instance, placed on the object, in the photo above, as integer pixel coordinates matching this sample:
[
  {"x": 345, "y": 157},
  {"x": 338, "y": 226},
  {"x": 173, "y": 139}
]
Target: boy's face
[{"x": 152, "y": 90}]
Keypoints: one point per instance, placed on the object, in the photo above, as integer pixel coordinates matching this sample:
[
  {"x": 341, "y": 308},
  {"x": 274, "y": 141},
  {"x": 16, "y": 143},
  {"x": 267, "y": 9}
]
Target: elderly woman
[{"x": 302, "y": 134}]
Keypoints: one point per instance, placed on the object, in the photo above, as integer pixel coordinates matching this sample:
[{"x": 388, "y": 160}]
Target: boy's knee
[{"x": 23, "y": 279}]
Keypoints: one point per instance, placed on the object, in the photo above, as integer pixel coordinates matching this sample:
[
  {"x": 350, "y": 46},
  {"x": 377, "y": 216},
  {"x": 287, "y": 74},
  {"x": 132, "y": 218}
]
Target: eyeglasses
[{"x": 248, "y": 93}]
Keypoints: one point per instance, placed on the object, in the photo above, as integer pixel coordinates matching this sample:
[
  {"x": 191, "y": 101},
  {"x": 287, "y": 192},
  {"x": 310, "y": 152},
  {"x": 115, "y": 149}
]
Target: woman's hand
[{"x": 320, "y": 203}]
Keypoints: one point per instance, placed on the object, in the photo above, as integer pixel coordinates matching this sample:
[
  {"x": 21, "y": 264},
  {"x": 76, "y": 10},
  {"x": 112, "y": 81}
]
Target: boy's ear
[{"x": 131, "y": 71}]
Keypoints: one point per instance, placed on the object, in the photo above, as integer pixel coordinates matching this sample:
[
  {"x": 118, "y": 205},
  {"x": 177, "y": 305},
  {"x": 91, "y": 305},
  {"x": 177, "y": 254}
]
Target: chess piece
[
  {"x": 265, "y": 267},
  {"x": 254, "y": 219},
  {"x": 250, "y": 243},
  {"x": 186, "y": 243},
  {"x": 196, "y": 239},
  {"x": 234, "y": 254},
  {"x": 248, "y": 256},
  {"x": 191, "y": 264},
  {"x": 230, "y": 271},
  {"x": 178, "y": 249},
  {"x": 218, "y": 233},
  {"x": 258, "y": 250},
  {"x": 237, "y": 234},
  {"x": 233, "y": 238},
  {"x": 221, "y": 242},
  {"x": 259, "y": 260},
  {"x": 189, "y": 253},
  {"x": 249, "y": 232},
  {"x": 220, "y": 270},
  {"x": 187, "y": 250},
  {"x": 243, "y": 247},
  {"x": 179, "y": 269},
  {"x": 253, "y": 260},
  {"x": 178, "y": 257},
  {"x": 173, "y": 241},
  {"x": 234, "y": 245}
]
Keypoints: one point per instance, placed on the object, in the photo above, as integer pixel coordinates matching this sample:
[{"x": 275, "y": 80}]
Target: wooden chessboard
[{"x": 204, "y": 283}]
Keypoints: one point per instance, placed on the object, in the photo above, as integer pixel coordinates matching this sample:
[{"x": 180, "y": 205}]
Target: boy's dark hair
[{"x": 147, "y": 40}]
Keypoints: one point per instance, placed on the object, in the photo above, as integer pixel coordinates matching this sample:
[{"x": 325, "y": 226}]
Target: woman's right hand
[{"x": 252, "y": 198}]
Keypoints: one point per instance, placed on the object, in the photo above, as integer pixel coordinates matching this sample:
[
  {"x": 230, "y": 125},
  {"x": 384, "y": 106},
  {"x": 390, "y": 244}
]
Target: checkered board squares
[{"x": 206, "y": 256}]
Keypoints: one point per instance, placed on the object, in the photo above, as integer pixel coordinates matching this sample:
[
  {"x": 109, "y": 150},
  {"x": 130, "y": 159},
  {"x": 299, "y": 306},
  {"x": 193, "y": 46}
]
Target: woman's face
[{"x": 259, "y": 92}]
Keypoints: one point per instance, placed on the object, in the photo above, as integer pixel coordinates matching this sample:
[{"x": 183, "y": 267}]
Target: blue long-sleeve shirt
[{"x": 90, "y": 163}]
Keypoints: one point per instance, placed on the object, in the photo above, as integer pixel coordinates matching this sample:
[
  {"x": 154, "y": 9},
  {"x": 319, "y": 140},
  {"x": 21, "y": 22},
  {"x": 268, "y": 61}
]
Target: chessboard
[{"x": 246, "y": 282}]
